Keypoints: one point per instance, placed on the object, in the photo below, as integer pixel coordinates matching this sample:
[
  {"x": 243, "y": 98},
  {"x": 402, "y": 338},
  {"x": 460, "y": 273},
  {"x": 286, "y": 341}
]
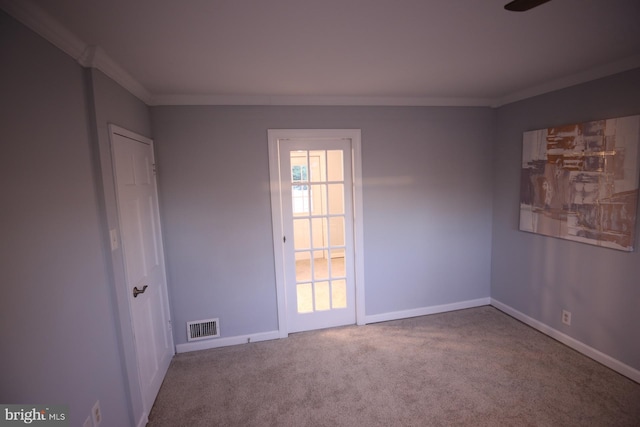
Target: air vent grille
[{"x": 201, "y": 329}]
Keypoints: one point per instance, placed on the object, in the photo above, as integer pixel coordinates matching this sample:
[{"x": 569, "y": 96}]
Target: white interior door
[
  {"x": 317, "y": 219},
  {"x": 137, "y": 202}
]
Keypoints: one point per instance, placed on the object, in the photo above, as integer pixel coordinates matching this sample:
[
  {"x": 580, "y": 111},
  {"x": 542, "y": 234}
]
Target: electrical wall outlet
[
  {"x": 96, "y": 414},
  {"x": 87, "y": 422},
  {"x": 566, "y": 317}
]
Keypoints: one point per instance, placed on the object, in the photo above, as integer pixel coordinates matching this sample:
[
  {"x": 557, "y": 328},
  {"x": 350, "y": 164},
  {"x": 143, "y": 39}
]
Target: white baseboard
[
  {"x": 579, "y": 346},
  {"x": 225, "y": 342},
  {"x": 423, "y": 311},
  {"x": 273, "y": 335},
  {"x": 144, "y": 419}
]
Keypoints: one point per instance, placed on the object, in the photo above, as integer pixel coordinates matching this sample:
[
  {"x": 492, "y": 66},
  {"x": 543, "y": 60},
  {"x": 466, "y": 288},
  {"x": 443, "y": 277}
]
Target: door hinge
[
  {"x": 284, "y": 239},
  {"x": 153, "y": 165}
]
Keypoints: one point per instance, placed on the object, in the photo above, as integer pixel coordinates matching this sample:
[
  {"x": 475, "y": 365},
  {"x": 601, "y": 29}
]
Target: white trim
[
  {"x": 87, "y": 56},
  {"x": 579, "y": 346},
  {"x": 423, "y": 311},
  {"x": 358, "y": 226},
  {"x": 225, "y": 342},
  {"x": 278, "y": 232},
  {"x": 93, "y": 56},
  {"x": 114, "y": 129},
  {"x": 96, "y": 57},
  {"x": 605, "y": 70},
  {"x": 274, "y": 135},
  {"x": 301, "y": 100},
  {"x": 144, "y": 420},
  {"x": 43, "y": 24},
  {"x": 574, "y": 79}
]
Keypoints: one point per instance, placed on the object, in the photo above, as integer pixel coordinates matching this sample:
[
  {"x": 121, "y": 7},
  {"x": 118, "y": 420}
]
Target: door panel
[
  {"x": 136, "y": 195},
  {"x": 316, "y": 195}
]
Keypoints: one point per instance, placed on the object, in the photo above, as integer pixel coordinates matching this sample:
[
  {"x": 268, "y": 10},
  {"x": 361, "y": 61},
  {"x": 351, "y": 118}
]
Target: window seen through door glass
[{"x": 300, "y": 191}]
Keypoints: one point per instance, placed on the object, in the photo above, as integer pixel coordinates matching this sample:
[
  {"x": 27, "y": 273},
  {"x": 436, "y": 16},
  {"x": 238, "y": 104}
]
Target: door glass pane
[
  {"x": 337, "y": 267},
  {"x": 320, "y": 265},
  {"x": 301, "y": 233},
  {"x": 319, "y": 226},
  {"x": 299, "y": 173},
  {"x": 335, "y": 170},
  {"x": 338, "y": 293},
  {"x": 336, "y": 199},
  {"x": 336, "y": 230},
  {"x": 299, "y": 178},
  {"x": 303, "y": 266},
  {"x": 318, "y": 167},
  {"x": 300, "y": 199},
  {"x": 318, "y": 199},
  {"x": 323, "y": 299},
  {"x": 305, "y": 298},
  {"x": 299, "y": 167}
]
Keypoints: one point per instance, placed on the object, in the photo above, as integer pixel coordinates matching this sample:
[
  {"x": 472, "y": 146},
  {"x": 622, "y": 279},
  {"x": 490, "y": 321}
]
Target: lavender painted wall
[
  {"x": 57, "y": 322},
  {"x": 540, "y": 276},
  {"x": 112, "y": 104},
  {"x": 441, "y": 210},
  {"x": 427, "y": 207}
]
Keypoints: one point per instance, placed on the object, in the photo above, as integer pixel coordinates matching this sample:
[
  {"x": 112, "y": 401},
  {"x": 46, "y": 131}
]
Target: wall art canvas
[{"x": 580, "y": 182}]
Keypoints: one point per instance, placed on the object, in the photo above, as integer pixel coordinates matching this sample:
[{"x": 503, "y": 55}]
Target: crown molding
[
  {"x": 301, "y": 100},
  {"x": 92, "y": 56},
  {"x": 87, "y": 56},
  {"x": 95, "y": 57},
  {"x": 609, "y": 69},
  {"x": 40, "y": 22},
  {"x": 606, "y": 70}
]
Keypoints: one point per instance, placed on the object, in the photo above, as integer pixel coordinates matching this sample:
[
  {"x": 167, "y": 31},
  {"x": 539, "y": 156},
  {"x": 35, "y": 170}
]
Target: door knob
[{"x": 137, "y": 291}]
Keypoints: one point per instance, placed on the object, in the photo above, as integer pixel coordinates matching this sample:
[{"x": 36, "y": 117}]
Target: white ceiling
[{"x": 387, "y": 52}]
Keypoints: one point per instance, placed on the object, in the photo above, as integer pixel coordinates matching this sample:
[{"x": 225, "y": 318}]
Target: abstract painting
[{"x": 580, "y": 182}]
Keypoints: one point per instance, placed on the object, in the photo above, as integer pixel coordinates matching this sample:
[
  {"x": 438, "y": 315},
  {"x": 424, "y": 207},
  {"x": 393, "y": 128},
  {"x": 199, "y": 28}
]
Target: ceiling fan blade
[{"x": 523, "y": 5}]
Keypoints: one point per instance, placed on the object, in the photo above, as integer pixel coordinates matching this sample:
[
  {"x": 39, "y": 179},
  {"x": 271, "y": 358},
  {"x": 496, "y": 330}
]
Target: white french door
[{"x": 316, "y": 231}]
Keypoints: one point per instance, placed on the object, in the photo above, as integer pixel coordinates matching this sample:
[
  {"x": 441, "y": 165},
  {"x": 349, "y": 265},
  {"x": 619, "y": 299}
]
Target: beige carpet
[{"x": 476, "y": 367}]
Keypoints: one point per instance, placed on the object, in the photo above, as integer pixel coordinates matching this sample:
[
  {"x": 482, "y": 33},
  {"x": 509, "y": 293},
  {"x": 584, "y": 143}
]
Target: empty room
[{"x": 338, "y": 212}]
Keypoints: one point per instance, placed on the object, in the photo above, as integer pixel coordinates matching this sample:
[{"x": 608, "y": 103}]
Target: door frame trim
[{"x": 274, "y": 138}]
